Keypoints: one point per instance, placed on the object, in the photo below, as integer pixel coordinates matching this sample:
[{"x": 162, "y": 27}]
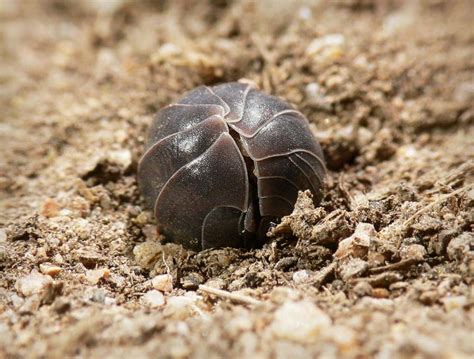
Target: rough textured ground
[{"x": 383, "y": 268}]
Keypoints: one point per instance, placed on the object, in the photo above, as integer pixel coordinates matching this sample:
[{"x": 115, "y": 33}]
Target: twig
[
  {"x": 323, "y": 274},
  {"x": 168, "y": 271},
  {"x": 347, "y": 195},
  {"x": 402, "y": 265},
  {"x": 438, "y": 201},
  {"x": 239, "y": 298}
]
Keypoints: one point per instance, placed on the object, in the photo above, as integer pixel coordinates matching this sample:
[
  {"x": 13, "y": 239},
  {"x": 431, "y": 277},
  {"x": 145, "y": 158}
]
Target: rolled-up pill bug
[{"x": 225, "y": 161}]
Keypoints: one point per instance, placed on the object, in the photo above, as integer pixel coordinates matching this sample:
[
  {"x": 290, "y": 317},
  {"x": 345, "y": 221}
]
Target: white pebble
[
  {"x": 146, "y": 253},
  {"x": 456, "y": 302},
  {"x": 49, "y": 269},
  {"x": 408, "y": 151},
  {"x": 169, "y": 49},
  {"x": 33, "y": 283},
  {"x": 313, "y": 90},
  {"x": 94, "y": 275},
  {"x": 413, "y": 251},
  {"x": 357, "y": 245},
  {"x": 325, "y": 42},
  {"x": 163, "y": 283},
  {"x": 398, "y": 21},
  {"x": 305, "y": 13},
  {"x": 121, "y": 157},
  {"x": 459, "y": 247},
  {"x": 464, "y": 92},
  {"x": 180, "y": 307},
  {"x": 299, "y": 321},
  {"x": 301, "y": 276},
  {"x": 153, "y": 299},
  {"x": 3, "y": 236}
]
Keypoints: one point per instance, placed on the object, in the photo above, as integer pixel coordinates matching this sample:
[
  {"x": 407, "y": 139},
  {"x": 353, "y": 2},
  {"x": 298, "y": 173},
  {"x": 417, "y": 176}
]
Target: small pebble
[
  {"x": 180, "y": 307},
  {"x": 281, "y": 295},
  {"x": 93, "y": 276},
  {"x": 305, "y": 13},
  {"x": 153, "y": 299},
  {"x": 121, "y": 157},
  {"x": 413, "y": 251},
  {"x": 58, "y": 258},
  {"x": 142, "y": 218},
  {"x": 456, "y": 302},
  {"x": 353, "y": 268},
  {"x": 380, "y": 293},
  {"x": 218, "y": 283},
  {"x": 3, "y": 235},
  {"x": 147, "y": 252},
  {"x": 50, "y": 208},
  {"x": 464, "y": 92},
  {"x": 41, "y": 253},
  {"x": 299, "y": 321},
  {"x": 358, "y": 244},
  {"x": 301, "y": 276},
  {"x": 33, "y": 283},
  {"x": 97, "y": 295},
  {"x": 344, "y": 337},
  {"x": 150, "y": 232},
  {"x": 362, "y": 289},
  {"x": 163, "y": 283},
  {"x": 313, "y": 90},
  {"x": 460, "y": 246},
  {"x": 166, "y": 51},
  {"x": 192, "y": 281},
  {"x": 325, "y": 43},
  {"x": 49, "y": 269},
  {"x": 429, "y": 297},
  {"x": 398, "y": 286}
]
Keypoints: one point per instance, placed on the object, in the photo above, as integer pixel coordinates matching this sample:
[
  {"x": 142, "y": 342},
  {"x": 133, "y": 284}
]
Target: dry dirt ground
[{"x": 382, "y": 268}]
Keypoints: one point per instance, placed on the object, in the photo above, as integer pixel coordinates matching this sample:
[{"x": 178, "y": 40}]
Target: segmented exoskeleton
[{"x": 223, "y": 161}]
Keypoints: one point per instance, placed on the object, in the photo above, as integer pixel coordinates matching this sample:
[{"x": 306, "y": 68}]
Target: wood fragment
[
  {"x": 402, "y": 265},
  {"x": 321, "y": 277},
  {"x": 382, "y": 280},
  {"x": 234, "y": 297},
  {"x": 345, "y": 192}
]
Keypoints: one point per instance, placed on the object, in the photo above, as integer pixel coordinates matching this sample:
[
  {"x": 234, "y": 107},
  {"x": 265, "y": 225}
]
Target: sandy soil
[{"x": 382, "y": 268}]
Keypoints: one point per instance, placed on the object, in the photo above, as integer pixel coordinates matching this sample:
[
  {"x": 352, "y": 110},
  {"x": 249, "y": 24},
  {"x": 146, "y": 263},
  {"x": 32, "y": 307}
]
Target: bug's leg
[{"x": 265, "y": 223}]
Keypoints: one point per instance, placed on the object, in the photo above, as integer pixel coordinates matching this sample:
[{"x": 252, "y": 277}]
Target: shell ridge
[
  {"x": 173, "y": 155},
  {"x": 311, "y": 166},
  {"x": 178, "y": 132},
  {"x": 178, "y": 172},
  {"x": 314, "y": 189},
  {"x": 158, "y": 124},
  {"x": 265, "y": 123},
  {"x": 293, "y": 184},
  {"x": 280, "y": 197},
  {"x": 246, "y": 93},
  {"x": 283, "y": 154},
  {"x": 227, "y": 108}
]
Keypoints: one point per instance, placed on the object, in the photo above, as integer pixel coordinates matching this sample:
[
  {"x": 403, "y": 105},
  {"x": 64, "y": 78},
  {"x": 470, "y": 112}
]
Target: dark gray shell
[{"x": 223, "y": 161}]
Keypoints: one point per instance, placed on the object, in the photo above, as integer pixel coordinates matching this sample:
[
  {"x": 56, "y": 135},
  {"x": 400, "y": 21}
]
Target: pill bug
[{"x": 223, "y": 162}]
